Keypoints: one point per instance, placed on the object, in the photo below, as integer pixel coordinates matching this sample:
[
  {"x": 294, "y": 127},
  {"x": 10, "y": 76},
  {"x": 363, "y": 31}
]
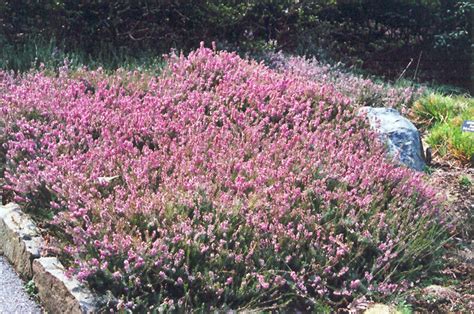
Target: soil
[{"x": 455, "y": 290}]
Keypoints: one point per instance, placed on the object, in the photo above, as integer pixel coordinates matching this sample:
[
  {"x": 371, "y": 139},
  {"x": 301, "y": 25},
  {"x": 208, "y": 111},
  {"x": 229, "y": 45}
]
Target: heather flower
[
  {"x": 355, "y": 284},
  {"x": 222, "y": 170},
  {"x": 361, "y": 91},
  {"x": 263, "y": 283}
]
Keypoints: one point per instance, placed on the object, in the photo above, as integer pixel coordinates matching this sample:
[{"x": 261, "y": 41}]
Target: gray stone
[
  {"x": 59, "y": 293},
  {"x": 379, "y": 308},
  {"x": 402, "y": 138},
  {"x": 442, "y": 293},
  {"x": 20, "y": 240}
]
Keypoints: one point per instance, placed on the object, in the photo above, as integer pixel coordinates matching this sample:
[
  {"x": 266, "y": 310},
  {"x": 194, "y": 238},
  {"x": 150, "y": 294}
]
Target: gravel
[{"x": 13, "y": 298}]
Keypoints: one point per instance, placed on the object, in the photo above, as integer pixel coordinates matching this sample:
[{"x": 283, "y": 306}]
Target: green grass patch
[{"x": 442, "y": 117}]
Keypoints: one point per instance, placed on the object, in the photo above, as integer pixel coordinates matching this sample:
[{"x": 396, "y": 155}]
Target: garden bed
[{"x": 220, "y": 184}]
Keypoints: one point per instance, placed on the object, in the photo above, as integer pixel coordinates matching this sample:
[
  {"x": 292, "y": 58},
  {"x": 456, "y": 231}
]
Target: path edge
[{"x": 21, "y": 244}]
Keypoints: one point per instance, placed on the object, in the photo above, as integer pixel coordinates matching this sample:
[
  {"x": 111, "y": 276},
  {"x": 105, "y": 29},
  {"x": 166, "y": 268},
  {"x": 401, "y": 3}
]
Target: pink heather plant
[
  {"x": 362, "y": 91},
  {"x": 219, "y": 184}
]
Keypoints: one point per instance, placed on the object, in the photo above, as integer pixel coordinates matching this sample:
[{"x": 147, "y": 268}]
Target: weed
[
  {"x": 404, "y": 308},
  {"x": 428, "y": 170},
  {"x": 464, "y": 181},
  {"x": 31, "y": 289}
]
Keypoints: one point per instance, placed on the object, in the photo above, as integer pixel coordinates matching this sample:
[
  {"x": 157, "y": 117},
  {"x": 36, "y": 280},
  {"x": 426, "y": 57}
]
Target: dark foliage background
[{"x": 433, "y": 37}]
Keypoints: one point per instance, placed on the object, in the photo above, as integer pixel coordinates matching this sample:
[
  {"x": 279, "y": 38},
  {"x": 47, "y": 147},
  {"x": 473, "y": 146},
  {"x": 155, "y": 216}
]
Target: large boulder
[{"x": 402, "y": 138}]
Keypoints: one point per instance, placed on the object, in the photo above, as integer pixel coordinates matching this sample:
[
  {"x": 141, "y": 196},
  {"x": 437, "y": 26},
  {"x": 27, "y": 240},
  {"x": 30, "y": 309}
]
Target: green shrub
[{"x": 433, "y": 37}]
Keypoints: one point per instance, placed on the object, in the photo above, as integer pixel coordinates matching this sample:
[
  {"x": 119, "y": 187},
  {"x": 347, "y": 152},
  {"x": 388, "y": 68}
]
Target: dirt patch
[{"x": 455, "y": 289}]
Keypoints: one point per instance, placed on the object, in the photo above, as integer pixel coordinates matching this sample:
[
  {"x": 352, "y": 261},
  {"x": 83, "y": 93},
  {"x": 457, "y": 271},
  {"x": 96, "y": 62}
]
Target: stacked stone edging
[
  {"x": 20, "y": 243},
  {"x": 19, "y": 239}
]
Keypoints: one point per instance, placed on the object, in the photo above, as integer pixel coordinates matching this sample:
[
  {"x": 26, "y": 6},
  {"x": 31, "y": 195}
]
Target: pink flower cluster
[
  {"x": 362, "y": 91},
  {"x": 219, "y": 183}
]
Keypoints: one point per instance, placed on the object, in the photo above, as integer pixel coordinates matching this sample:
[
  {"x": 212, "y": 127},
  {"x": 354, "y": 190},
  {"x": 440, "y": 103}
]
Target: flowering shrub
[
  {"x": 219, "y": 184},
  {"x": 362, "y": 91}
]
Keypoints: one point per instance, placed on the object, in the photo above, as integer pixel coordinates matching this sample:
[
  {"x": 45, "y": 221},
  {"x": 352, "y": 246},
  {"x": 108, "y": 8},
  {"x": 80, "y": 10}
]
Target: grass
[
  {"x": 404, "y": 308},
  {"x": 37, "y": 52},
  {"x": 442, "y": 117}
]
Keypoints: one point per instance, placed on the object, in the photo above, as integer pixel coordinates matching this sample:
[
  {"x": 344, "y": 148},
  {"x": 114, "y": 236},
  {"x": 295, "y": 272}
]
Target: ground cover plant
[
  {"x": 438, "y": 114},
  {"x": 220, "y": 183},
  {"x": 362, "y": 91}
]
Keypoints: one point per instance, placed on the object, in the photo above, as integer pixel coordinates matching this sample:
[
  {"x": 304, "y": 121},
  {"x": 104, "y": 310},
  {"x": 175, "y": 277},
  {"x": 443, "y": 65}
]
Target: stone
[
  {"x": 442, "y": 293},
  {"x": 378, "y": 308},
  {"x": 58, "y": 292},
  {"x": 402, "y": 137},
  {"x": 20, "y": 240}
]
